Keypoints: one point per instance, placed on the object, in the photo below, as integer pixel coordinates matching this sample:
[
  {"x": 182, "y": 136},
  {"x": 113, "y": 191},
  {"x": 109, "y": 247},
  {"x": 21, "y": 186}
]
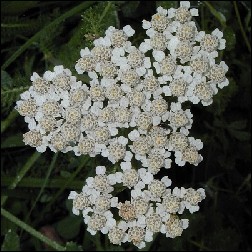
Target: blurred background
[{"x": 36, "y": 36}]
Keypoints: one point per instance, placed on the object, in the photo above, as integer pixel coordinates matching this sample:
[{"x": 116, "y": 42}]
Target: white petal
[
  {"x": 112, "y": 179},
  {"x": 100, "y": 170},
  {"x": 217, "y": 33},
  {"x": 89, "y": 181},
  {"x": 104, "y": 152},
  {"x": 75, "y": 211},
  {"x": 185, "y": 223},
  {"x": 48, "y": 75},
  {"x": 151, "y": 32},
  {"x": 41, "y": 148},
  {"x": 194, "y": 12},
  {"x": 148, "y": 178},
  {"x": 125, "y": 165},
  {"x": 128, "y": 156},
  {"x": 141, "y": 71},
  {"x": 171, "y": 12},
  {"x": 84, "y": 52},
  {"x": 122, "y": 140},
  {"x": 148, "y": 236},
  {"x": 31, "y": 123},
  {"x": 104, "y": 230},
  {"x": 128, "y": 30},
  {"x": 146, "y": 24},
  {"x": 166, "y": 181},
  {"x": 25, "y": 95},
  {"x": 173, "y": 44},
  {"x": 92, "y": 232},
  {"x": 133, "y": 135},
  {"x": 93, "y": 75},
  {"x": 114, "y": 202},
  {"x": 113, "y": 131},
  {"x": 185, "y": 4},
  {"x": 72, "y": 195},
  {"x": 156, "y": 120},
  {"x": 162, "y": 11},
  {"x": 158, "y": 55},
  {"x": 123, "y": 225},
  {"x": 59, "y": 69},
  {"x": 34, "y": 76},
  {"x": 145, "y": 46}
]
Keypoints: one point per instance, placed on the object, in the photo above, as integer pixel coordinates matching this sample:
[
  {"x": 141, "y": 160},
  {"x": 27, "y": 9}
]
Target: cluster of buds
[{"x": 132, "y": 108}]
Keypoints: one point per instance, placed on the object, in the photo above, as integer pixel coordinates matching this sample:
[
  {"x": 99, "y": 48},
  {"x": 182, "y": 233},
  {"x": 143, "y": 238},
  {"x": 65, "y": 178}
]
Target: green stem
[
  {"x": 31, "y": 230},
  {"x": 15, "y": 90},
  {"x": 58, "y": 20},
  {"x": 43, "y": 186},
  {"x": 199, "y": 245},
  {"x": 14, "y": 25},
  {"x": 6, "y": 123},
  {"x": 38, "y": 182},
  {"x": 241, "y": 26},
  {"x": 83, "y": 162},
  {"x": 218, "y": 15},
  {"x": 105, "y": 11},
  {"x": 21, "y": 174},
  {"x": 246, "y": 182},
  {"x": 98, "y": 242}
]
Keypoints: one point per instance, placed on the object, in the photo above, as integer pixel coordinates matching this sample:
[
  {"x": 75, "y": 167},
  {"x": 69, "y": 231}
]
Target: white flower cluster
[
  {"x": 152, "y": 208},
  {"x": 132, "y": 108}
]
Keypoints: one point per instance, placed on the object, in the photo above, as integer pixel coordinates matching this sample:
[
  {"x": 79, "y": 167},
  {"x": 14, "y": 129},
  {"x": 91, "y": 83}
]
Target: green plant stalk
[
  {"x": 21, "y": 174},
  {"x": 38, "y": 182},
  {"x": 216, "y": 13},
  {"x": 241, "y": 26},
  {"x": 43, "y": 186},
  {"x": 34, "y": 38},
  {"x": 98, "y": 242},
  {"x": 31, "y": 230},
  {"x": 105, "y": 11},
  {"x": 199, "y": 245},
  {"x": 83, "y": 162},
  {"x": 17, "y": 89},
  {"x": 246, "y": 182},
  {"x": 14, "y": 25},
  {"x": 6, "y": 123}
]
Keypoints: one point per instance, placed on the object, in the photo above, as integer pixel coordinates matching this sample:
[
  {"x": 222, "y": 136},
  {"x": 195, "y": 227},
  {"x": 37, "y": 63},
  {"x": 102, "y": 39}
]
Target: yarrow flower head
[
  {"x": 153, "y": 207},
  {"x": 133, "y": 110}
]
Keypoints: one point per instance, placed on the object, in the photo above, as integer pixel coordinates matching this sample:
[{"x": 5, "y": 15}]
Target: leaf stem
[
  {"x": 31, "y": 230},
  {"x": 241, "y": 26},
  {"x": 21, "y": 174},
  {"x": 38, "y": 182},
  {"x": 105, "y": 11},
  {"x": 83, "y": 162},
  {"x": 43, "y": 186},
  {"x": 98, "y": 242},
  {"x": 199, "y": 245},
  {"x": 14, "y": 25},
  {"x": 34, "y": 38},
  {"x": 218, "y": 15},
  {"x": 14, "y": 90},
  {"x": 6, "y": 123}
]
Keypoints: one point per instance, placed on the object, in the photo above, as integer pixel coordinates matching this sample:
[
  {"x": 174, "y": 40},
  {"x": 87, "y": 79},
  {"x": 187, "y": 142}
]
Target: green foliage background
[{"x": 37, "y": 35}]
